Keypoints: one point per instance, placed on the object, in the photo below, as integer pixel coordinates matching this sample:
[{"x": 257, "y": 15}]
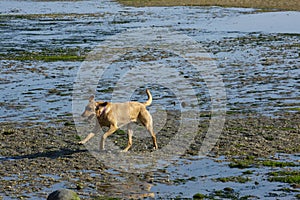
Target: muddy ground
[
  {"x": 35, "y": 156},
  {"x": 268, "y": 5}
]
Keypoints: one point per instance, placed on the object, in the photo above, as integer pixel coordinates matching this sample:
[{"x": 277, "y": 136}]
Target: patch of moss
[
  {"x": 227, "y": 193},
  {"x": 287, "y": 129},
  {"x": 69, "y": 123},
  {"x": 249, "y": 162},
  {"x": 46, "y": 58},
  {"x": 285, "y": 177},
  {"x": 106, "y": 90},
  {"x": 77, "y": 137},
  {"x": 199, "y": 196},
  {"x": 8, "y": 131},
  {"x": 237, "y": 179},
  {"x": 180, "y": 181},
  {"x": 46, "y": 55},
  {"x": 120, "y": 132},
  {"x": 248, "y": 172},
  {"x": 294, "y": 109},
  {"x": 271, "y": 163},
  {"x": 248, "y": 197}
]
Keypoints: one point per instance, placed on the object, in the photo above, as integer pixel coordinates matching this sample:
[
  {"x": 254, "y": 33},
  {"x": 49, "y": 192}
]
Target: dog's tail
[{"x": 149, "y": 101}]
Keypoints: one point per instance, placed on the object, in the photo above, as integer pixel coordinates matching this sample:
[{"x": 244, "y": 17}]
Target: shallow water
[
  {"x": 259, "y": 64},
  {"x": 199, "y": 176}
]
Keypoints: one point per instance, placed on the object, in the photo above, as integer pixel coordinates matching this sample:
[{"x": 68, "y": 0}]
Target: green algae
[
  {"x": 46, "y": 55},
  {"x": 292, "y": 177}
]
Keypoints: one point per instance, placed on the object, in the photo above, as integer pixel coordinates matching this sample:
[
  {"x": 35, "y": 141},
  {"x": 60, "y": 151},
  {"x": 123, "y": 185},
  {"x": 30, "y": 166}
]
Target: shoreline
[{"x": 289, "y": 5}]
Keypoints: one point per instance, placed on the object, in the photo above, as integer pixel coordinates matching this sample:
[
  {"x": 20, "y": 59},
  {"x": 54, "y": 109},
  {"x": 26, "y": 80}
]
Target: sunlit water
[{"x": 260, "y": 69}]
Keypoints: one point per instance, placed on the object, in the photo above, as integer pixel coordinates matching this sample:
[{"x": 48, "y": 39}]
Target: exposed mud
[
  {"x": 36, "y": 159},
  {"x": 268, "y": 5}
]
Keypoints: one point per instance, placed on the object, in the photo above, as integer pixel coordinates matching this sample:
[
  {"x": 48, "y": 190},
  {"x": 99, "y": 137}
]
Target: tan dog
[{"x": 115, "y": 115}]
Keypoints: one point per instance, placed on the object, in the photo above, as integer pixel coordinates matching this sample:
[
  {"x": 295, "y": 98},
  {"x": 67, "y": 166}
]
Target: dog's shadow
[{"x": 63, "y": 152}]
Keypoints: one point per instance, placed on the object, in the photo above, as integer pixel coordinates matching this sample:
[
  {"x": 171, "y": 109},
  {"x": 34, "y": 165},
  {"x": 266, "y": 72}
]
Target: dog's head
[
  {"x": 94, "y": 108},
  {"x": 90, "y": 109}
]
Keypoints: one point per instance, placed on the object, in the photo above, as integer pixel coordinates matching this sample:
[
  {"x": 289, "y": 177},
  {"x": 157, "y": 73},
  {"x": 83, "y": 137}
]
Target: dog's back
[{"x": 127, "y": 112}]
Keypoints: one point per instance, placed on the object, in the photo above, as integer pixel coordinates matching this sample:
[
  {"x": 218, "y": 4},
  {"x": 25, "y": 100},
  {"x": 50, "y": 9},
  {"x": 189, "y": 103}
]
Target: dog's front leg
[
  {"x": 111, "y": 130},
  {"x": 87, "y": 138},
  {"x": 92, "y": 134}
]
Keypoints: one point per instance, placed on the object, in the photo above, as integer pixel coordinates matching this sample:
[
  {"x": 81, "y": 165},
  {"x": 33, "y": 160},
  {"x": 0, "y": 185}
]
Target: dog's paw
[{"x": 81, "y": 143}]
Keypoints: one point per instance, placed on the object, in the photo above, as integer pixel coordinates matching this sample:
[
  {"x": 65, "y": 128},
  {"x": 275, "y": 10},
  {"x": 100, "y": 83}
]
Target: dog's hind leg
[
  {"x": 149, "y": 127},
  {"x": 129, "y": 133},
  {"x": 146, "y": 120}
]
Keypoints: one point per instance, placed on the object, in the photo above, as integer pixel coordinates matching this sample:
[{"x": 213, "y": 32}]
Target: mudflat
[
  {"x": 280, "y": 4},
  {"x": 36, "y": 157}
]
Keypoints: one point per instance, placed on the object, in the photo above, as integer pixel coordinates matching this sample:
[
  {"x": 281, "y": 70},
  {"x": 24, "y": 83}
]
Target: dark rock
[{"x": 63, "y": 194}]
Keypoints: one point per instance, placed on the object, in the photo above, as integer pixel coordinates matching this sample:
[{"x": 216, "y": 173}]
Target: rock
[{"x": 63, "y": 194}]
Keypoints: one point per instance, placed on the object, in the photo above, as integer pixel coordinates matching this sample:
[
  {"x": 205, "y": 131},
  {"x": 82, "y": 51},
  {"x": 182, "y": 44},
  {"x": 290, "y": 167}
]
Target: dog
[{"x": 116, "y": 115}]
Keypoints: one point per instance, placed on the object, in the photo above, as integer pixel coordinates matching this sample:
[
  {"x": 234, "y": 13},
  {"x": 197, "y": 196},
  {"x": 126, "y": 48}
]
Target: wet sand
[{"x": 277, "y": 5}]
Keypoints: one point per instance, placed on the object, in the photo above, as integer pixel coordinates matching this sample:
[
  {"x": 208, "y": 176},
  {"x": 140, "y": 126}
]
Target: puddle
[{"x": 189, "y": 177}]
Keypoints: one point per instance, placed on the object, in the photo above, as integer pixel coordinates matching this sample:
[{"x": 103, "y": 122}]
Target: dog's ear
[
  {"x": 103, "y": 107},
  {"x": 100, "y": 105},
  {"x": 92, "y": 98}
]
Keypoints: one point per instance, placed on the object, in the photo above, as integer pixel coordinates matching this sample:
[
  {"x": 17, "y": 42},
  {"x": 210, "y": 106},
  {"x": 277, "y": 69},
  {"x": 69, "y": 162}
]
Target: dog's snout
[
  {"x": 87, "y": 116},
  {"x": 91, "y": 117}
]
